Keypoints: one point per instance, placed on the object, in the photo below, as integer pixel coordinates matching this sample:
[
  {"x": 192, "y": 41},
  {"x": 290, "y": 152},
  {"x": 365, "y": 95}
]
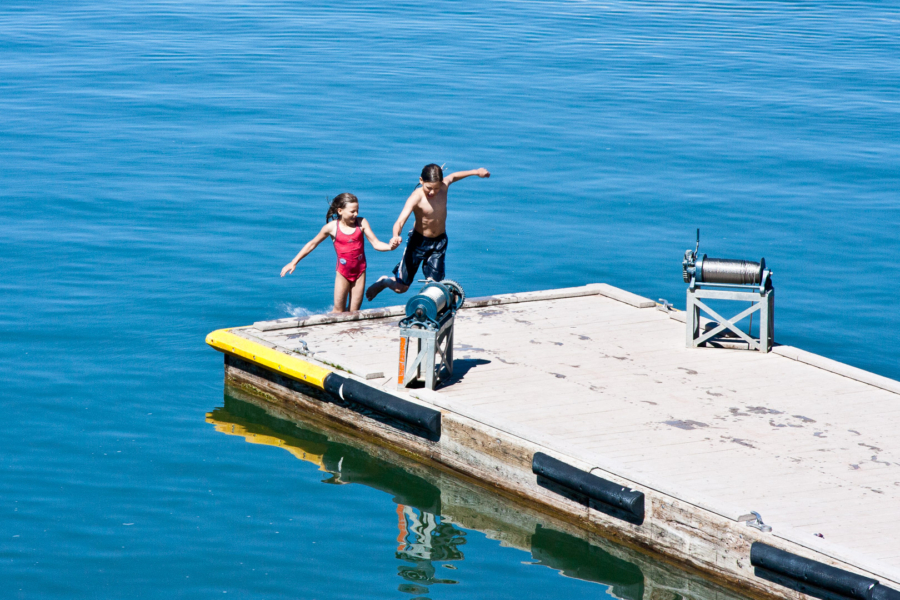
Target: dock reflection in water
[{"x": 434, "y": 510}]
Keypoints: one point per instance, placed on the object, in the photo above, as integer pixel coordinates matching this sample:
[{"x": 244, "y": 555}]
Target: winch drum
[
  {"x": 729, "y": 271},
  {"x": 429, "y": 304}
]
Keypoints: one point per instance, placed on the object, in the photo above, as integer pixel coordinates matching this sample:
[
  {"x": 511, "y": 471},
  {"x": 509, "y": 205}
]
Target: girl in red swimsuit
[{"x": 347, "y": 230}]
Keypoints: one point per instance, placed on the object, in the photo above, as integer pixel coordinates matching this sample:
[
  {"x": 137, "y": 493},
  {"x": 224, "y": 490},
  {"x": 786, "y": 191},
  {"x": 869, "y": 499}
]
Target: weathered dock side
[
  {"x": 628, "y": 574},
  {"x": 586, "y": 403}
]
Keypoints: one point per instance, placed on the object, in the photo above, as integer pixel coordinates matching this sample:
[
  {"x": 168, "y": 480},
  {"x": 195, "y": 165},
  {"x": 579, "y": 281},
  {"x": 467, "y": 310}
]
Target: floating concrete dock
[
  {"x": 341, "y": 456},
  {"x": 557, "y": 394}
]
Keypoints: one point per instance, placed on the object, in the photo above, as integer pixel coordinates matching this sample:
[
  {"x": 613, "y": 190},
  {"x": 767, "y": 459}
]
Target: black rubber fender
[
  {"x": 420, "y": 417},
  {"x": 880, "y": 592},
  {"x": 602, "y": 490},
  {"x": 814, "y": 573},
  {"x": 333, "y": 383}
]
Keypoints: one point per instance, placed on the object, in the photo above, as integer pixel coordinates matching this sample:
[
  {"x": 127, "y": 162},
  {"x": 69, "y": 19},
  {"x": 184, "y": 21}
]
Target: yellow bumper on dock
[{"x": 225, "y": 341}]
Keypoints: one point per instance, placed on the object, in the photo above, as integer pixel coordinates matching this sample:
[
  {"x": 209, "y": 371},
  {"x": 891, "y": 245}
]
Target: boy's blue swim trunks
[{"x": 418, "y": 249}]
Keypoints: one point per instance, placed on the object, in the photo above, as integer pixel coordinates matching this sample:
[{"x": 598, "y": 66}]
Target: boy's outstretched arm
[
  {"x": 401, "y": 220},
  {"x": 373, "y": 239},
  {"x": 309, "y": 247},
  {"x": 463, "y": 174}
]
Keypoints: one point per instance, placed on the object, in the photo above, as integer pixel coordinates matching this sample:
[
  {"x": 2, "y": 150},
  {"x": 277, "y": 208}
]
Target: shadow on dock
[
  {"x": 434, "y": 510},
  {"x": 461, "y": 366}
]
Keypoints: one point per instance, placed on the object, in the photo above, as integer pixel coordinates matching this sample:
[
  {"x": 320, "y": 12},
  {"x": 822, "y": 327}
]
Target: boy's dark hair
[
  {"x": 432, "y": 173},
  {"x": 340, "y": 201}
]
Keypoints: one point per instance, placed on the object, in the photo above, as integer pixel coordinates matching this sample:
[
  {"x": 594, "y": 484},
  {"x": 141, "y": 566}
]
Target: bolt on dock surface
[{"x": 610, "y": 383}]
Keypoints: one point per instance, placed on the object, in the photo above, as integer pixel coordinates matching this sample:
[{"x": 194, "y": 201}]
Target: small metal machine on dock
[
  {"x": 430, "y": 316},
  {"x": 726, "y": 279}
]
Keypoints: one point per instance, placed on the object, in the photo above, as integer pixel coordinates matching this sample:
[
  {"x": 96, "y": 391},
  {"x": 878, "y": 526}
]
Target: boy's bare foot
[{"x": 377, "y": 287}]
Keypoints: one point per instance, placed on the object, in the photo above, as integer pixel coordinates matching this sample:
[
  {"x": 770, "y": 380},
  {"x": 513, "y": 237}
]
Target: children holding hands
[{"x": 426, "y": 242}]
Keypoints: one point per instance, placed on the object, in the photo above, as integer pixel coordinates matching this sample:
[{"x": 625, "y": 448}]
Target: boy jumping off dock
[{"x": 427, "y": 240}]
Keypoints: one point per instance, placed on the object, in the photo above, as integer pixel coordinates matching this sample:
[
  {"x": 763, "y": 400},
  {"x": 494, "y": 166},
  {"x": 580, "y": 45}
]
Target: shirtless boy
[{"x": 427, "y": 240}]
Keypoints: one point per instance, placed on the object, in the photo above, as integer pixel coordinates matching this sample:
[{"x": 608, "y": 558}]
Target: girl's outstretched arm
[
  {"x": 373, "y": 239},
  {"x": 324, "y": 233},
  {"x": 463, "y": 174}
]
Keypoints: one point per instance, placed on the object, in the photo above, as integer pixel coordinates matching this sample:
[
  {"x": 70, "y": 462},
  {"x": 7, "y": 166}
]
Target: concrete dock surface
[{"x": 604, "y": 377}]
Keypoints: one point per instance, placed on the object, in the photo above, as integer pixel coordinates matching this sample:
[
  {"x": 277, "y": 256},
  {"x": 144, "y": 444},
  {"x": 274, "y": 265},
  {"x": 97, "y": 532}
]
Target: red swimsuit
[{"x": 351, "y": 253}]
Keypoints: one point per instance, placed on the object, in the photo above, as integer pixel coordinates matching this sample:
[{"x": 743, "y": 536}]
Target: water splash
[{"x": 301, "y": 312}]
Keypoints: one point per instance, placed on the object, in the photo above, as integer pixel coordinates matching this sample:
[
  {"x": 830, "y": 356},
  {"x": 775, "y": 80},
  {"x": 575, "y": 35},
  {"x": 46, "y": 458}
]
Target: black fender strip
[
  {"x": 810, "y": 576},
  {"x": 419, "y": 417},
  {"x": 625, "y": 503},
  {"x": 881, "y": 592}
]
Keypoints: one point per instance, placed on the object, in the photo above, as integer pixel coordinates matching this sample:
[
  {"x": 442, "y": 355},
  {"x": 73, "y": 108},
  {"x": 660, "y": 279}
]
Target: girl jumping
[{"x": 347, "y": 230}]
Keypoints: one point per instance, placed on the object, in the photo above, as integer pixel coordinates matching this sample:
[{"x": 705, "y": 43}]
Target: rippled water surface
[{"x": 160, "y": 162}]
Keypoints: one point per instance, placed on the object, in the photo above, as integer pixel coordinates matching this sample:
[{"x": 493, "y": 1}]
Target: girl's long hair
[{"x": 340, "y": 201}]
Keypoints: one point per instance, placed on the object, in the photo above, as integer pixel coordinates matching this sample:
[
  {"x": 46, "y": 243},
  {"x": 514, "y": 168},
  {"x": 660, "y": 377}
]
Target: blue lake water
[{"x": 160, "y": 162}]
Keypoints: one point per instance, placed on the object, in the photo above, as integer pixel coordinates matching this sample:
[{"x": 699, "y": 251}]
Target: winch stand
[
  {"x": 433, "y": 342},
  {"x": 762, "y": 300}
]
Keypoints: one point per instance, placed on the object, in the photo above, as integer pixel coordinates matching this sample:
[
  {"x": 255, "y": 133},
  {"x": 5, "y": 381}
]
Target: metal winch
[
  {"x": 430, "y": 317},
  {"x": 436, "y": 302},
  {"x": 728, "y": 279},
  {"x": 723, "y": 272}
]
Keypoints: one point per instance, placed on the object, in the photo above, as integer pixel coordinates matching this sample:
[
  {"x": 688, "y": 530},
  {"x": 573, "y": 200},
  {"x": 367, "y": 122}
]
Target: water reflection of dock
[
  {"x": 432, "y": 507},
  {"x": 596, "y": 385}
]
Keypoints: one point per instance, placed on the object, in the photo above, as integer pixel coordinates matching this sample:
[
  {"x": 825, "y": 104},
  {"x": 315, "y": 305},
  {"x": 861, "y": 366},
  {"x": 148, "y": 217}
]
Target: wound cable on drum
[{"x": 739, "y": 272}]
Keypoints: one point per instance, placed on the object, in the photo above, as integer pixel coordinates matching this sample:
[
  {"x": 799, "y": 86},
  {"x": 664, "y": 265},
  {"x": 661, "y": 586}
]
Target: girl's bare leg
[
  {"x": 341, "y": 293},
  {"x": 356, "y": 292}
]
